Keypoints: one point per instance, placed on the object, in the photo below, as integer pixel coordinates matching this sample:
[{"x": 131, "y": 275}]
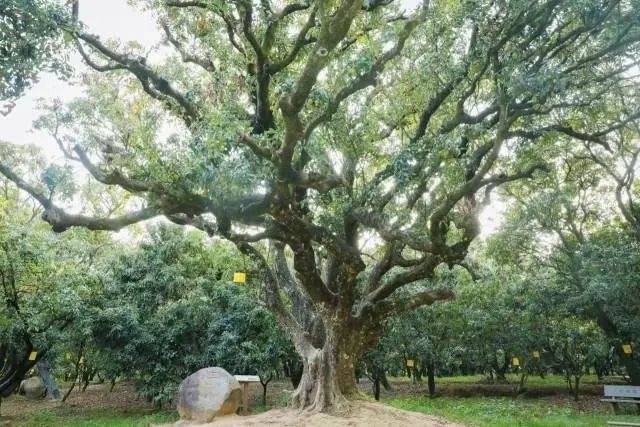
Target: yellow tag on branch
[
  {"x": 32, "y": 356},
  {"x": 515, "y": 361},
  {"x": 239, "y": 277},
  {"x": 626, "y": 349},
  {"x": 410, "y": 363},
  {"x": 536, "y": 355}
]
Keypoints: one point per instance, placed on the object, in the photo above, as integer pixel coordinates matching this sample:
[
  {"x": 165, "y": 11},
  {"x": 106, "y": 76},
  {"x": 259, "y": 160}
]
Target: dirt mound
[{"x": 363, "y": 414}]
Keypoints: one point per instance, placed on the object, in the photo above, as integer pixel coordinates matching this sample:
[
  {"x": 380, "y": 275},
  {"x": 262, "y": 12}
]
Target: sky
[{"x": 118, "y": 19}]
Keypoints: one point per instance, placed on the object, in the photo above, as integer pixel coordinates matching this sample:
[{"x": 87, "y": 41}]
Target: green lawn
[
  {"x": 533, "y": 381},
  {"x": 94, "y": 418},
  {"x": 507, "y": 412}
]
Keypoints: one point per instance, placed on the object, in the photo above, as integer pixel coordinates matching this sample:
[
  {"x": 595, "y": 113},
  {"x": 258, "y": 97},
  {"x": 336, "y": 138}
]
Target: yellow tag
[
  {"x": 626, "y": 349},
  {"x": 536, "y": 355},
  {"x": 515, "y": 361},
  {"x": 33, "y": 355},
  {"x": 239, "y": 277},
  {"x": 410, "y": 363}
]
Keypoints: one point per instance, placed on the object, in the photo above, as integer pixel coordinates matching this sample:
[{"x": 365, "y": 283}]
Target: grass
[
  {"x": 507, "y": 412},
  {"x": 532, "y": 381},
  {"x": 95, "y": 418}
]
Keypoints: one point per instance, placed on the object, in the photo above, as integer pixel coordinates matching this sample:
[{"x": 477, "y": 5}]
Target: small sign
[
  {"x": 410, "y": 363},
  {"x": 247, "y": 378},
  {"x": 626, "y": 349},
  {"x": 515, "y": 361},
  {"x": 239, "y": 277},
  {"x": 536, "y": 355},
  {"x": 32, "y": 356}
]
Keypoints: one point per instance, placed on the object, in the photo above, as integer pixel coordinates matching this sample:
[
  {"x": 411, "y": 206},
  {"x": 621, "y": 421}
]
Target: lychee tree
[{"x": 347, "y": 147}]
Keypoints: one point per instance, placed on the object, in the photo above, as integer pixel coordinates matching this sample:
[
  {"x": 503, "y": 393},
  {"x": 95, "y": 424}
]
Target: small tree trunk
[
  {"x": 75, "y": 375},
  {"x": 66, "y": 395},
  {"x": 264, "y": 394},
  {"x": 431, "y": 380},
  {"x": 265, "y": 383},
  {"x": 385, "y": 381},
  {"x": 521, "y": 383},
  {"x": 576, "y": 388},
  {"x": 376, "y": 387},
  {"x": 113, "y": 384},
  {"x": 569, "y": 382}
]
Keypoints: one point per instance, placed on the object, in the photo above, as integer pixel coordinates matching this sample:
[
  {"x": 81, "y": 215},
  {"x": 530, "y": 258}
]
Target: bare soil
[
  {"x": 362, "y": 414},
  {"x": 123, "y": 399}
]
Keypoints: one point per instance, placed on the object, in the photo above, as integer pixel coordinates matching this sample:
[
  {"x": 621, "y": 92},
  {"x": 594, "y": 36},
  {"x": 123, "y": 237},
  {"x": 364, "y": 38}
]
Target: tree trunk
[
  {"x": 71, "y": 387},
  {"x": 265, "y": 382},
  {"x": 328, "y": 376},
  {"x": 631, "y": 363},
  {"x": 576, "y": 388},
  {"x": 376, "y": 387},
  {"x": 44, "y": 369},
  {"x": 385, "y": 381},
  {"x": 632, "y": 366},
  {"x": 14, "y": 371},
  {"x": 521, "y": 383},
  {"x": 264, "y": 394},
  {"x": 75, "y": 375},
  {"x": 431, "y": 380}
]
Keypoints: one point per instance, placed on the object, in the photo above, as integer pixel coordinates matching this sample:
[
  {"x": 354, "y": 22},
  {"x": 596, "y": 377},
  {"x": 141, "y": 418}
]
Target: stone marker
[
  {"x": 208, "y": 393},
  {"x": 33, "y": 388}
]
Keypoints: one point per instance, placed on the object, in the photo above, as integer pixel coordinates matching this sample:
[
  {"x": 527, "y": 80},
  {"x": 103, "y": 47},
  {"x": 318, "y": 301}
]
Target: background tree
[
  {"x": 34, "y": 263},
  {"x": 169, "y": 308}
]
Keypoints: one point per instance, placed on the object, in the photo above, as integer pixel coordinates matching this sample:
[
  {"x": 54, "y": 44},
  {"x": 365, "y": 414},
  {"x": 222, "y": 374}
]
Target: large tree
[{"x": 359, "y": 140}]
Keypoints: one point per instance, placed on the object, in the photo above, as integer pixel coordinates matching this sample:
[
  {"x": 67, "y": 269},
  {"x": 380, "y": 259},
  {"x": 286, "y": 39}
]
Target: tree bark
[
  {"x": 385, "y": 381},
  {"x": 376, "y": 388},
  {"x": 576, "y": 388},
  {"x": 431, "y": 380},
  {"x": 75, "y": 374},
  {"x": 16, "y": 366},
  {"x": 44, "y": 369},
  {"x": 328, "y": 376},
  {"x": 265, "y": 382}
]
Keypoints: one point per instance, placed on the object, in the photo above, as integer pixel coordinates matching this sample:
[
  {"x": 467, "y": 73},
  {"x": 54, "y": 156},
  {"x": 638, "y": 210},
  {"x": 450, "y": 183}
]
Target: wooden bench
[
  {"x": 622, "y": 424},
  {"x": 617, "y": 394},
  {"x": 245, "y": 380}
]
